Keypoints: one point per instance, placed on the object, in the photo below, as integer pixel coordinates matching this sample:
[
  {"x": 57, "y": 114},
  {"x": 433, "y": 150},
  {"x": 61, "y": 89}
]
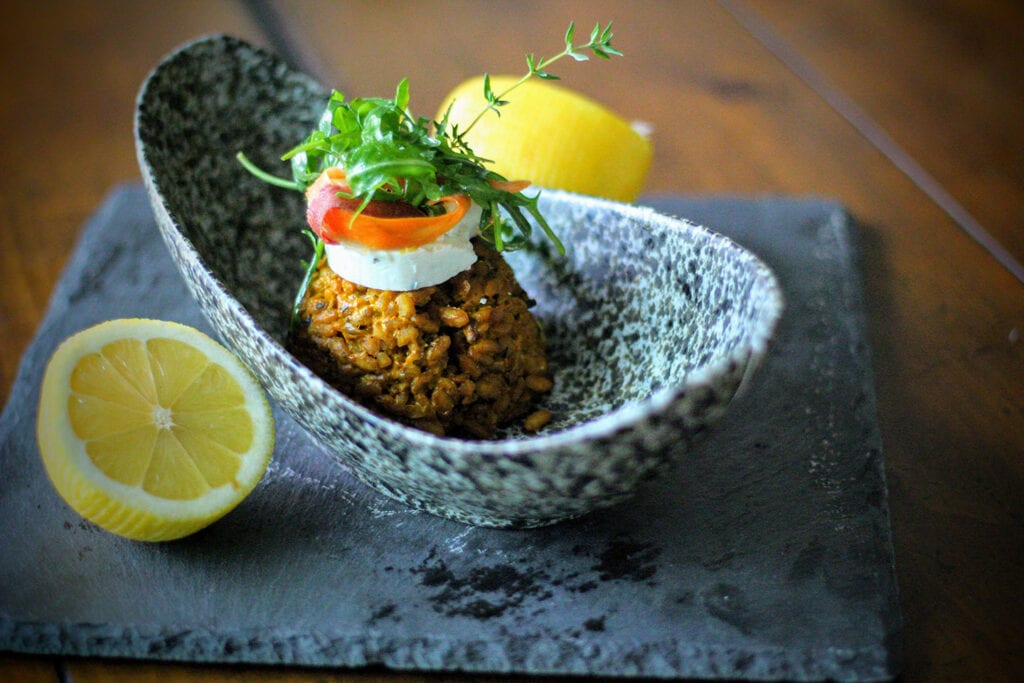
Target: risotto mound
[{"x": 461, "y": 358}]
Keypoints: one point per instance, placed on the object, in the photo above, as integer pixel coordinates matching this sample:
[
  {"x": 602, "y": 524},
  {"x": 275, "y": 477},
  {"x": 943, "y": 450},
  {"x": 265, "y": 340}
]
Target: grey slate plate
[{"x": 767, "y": 555}]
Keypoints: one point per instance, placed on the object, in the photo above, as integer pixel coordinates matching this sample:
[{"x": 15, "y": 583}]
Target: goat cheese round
[{"x": 411, "y": 268}]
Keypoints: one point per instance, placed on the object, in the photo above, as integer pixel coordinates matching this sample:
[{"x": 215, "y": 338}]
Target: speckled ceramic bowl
[{"x": 653, "y": 324}]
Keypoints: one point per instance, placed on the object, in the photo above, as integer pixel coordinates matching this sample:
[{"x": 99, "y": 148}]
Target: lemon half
[
  {"x": 553, "y": 137},
  {"x": 151, "y": 429}
]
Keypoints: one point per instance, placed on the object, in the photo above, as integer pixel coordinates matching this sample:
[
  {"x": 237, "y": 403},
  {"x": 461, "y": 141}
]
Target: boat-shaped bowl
[{"x": 653, "y": 324}]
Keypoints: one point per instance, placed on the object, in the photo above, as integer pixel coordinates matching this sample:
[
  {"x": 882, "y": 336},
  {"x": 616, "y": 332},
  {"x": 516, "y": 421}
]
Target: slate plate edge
[{"x": 537, "y": 655}]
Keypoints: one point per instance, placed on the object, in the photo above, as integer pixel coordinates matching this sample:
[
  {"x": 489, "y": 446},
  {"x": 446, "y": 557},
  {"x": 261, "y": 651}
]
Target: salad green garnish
[{"x": 389, "y": 154}]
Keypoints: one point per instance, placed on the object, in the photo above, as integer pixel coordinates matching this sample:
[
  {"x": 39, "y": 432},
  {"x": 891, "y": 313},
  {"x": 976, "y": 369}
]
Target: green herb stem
[
  {"x": 318, "y": 253},
  {"x": 599, "y": 44},
  {"x": 267, "y": 177}
]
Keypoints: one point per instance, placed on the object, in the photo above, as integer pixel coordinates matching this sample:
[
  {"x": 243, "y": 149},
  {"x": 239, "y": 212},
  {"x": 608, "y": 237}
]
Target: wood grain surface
[{"x": 725, "y": 86}]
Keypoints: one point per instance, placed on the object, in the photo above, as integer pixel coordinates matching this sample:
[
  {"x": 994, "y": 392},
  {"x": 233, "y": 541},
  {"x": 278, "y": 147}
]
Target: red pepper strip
[{"x": 381, "y": 232}]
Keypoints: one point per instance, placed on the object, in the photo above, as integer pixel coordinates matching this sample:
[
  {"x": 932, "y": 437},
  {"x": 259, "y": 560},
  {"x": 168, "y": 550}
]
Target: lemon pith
[
  {"x": 553, "y": 137},
  {"x": 151, "y": 429}
]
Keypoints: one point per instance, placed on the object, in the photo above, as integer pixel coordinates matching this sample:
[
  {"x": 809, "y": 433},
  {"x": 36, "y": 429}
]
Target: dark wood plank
[
  {"x": 26, "y": 669},
  {"x": 71, "y": 72},
  {"x": 944, "y": 79},
  {"x": 145, "y": 672}
]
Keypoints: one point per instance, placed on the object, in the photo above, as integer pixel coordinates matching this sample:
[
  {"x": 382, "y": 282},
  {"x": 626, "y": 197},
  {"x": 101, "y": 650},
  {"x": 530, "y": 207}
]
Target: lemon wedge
[
  {"x": 151, "y": 429},
  {"x": 553, "y": 137}
]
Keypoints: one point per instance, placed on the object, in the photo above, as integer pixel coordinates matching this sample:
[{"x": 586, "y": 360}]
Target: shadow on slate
[{"x": 765, "y": 554}]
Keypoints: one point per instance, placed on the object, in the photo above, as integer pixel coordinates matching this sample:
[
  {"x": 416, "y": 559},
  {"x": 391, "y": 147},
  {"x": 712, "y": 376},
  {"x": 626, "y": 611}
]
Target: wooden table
[{"x": 908, "y": 114}]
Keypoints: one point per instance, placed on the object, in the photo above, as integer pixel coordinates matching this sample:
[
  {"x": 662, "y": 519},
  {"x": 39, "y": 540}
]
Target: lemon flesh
[
  {"x": 553, "y": 137},
  {"x": 151, "y": 429}
]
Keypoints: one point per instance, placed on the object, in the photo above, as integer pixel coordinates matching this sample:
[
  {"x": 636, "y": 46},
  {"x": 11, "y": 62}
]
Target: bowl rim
[{"x": 623, "y": 417}]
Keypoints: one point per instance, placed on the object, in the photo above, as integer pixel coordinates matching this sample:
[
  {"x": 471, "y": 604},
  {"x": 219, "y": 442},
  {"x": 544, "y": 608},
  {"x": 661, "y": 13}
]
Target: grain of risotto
[{"x": 461, "y": 358}]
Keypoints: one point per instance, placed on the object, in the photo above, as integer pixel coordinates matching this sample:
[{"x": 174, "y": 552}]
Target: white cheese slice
[{"x": 407, "y": 269}]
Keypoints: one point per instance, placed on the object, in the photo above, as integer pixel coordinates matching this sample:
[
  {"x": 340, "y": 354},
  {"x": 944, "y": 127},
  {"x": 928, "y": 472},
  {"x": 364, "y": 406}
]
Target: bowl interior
[{"x": 640, "y": 302}]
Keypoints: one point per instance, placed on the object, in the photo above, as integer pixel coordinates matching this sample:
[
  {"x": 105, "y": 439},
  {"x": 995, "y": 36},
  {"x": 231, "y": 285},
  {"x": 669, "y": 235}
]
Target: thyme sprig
[{"x": 600, "y": 44}]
